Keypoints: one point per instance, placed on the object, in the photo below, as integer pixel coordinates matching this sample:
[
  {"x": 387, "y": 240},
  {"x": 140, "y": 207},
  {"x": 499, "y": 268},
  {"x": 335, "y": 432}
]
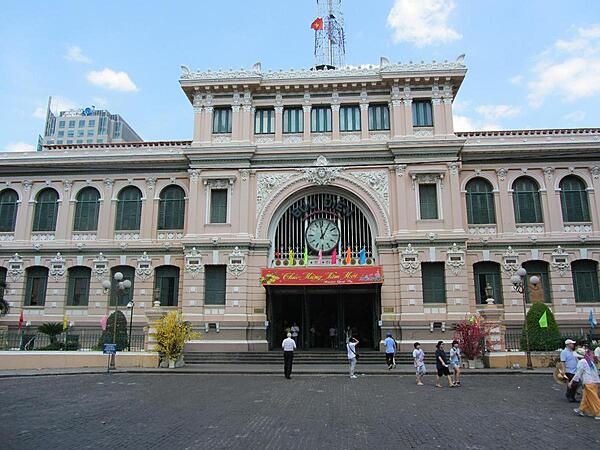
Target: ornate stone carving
[
  {"x": 108, "y": 183},
  {"x": 377, "y": 182},
  {"x": 27, "y": 185},
  {"x": 42, "y": 237},
  {"x": 57, "y": 266},
  {"x": 221, "y": 139},
  {"x": 244, "y": 173},
  {"x": 264, "y": 140},
  {"x": 530, "y": 229},
  {"x": 144, "y": 267},
  {"x": 131, "y": 236},
  {"x": 237, "y": 262},
  {"x": 84, "y": 236},
  {"x": 321, "y": 174},
  {"x": 453, "y": 167},
  {"x": 193, "y": 174},
  {"x": 292, "y": 139},
  {"x": 170, "y": 235},
  {"x": 379, "y": 135},
  {"x": 400, "y": 169},
  {"x": 100, "y": 267},
  {"x": 193, "y": 262},
  {"x": 510, "y": 261},
  {"x": 479, "y": 230},
  {"x": 15, "y": 267},
  {"x": 267, "y": 183},
  {"x": 410, "y": 262},
  {"x": 595, "y": 171},
  {"x": 560, "y": 261},
  {"x": 350, "y": 137},
  {"x": 549, "y": 171},
  {"x": 151, "y": 183},
  {"x": 67, "y": 185},
  {"x": 427, "y": 178},
  {"x": 577, "y": 228},
  {"x": 321, "y": 138},
  {"x": 502, "y": 172},
  {"x": 455, "y": 259},
  {"x": 423, "y": 132}
]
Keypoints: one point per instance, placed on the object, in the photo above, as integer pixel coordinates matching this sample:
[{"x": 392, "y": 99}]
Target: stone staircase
[{"x": 300, "y": 357}]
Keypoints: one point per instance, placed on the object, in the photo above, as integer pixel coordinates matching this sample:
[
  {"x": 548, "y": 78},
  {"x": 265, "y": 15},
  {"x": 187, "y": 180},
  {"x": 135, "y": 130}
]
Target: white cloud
[
  {"x": 569, "y": 69},
  {"x": 74, "y": 53},
  {"x": 112, "y": 80},
  {"x": 422, "y": 22},
  {"x": 575, "y": 116},
  {"x": 493, "y": 112},
  {"x": 464, "y": 123},
  {"x": 517, "y": 79},
  {"x": 20, "y": 147},
  {"x": 59, "y": 103}
]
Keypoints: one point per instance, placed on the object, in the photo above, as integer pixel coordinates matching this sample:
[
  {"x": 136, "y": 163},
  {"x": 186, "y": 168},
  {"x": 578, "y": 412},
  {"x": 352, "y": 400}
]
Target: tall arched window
[
  {"x": 574, "y": 200},
  {"x": 46, "y": 210},
  {"x": 86, "y": 210},
  {"x": 171, "y": 208},
  {"x": 166, "y": 285},
  {"x": 480, "y": 202},
  {"x": 8, "y": 210},
  {"x": 526, "y": 201},
  {"x": 487, "y": 273},
  {"x": 129, "y": 209},
  {"x": 543, "y": 290},
  {"x": 585, "y": 281},
  {"x": 78, "y": 291}
]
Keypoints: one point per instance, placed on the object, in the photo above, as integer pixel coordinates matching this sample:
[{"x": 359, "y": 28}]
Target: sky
[{"x": 532, "y": 64}]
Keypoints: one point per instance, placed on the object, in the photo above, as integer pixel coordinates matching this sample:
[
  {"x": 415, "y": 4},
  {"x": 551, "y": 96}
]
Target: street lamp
[
  {"x": 130, "y": 306},
  {"x": 519, "y": 282},
  {"x": 120, "y": 288}
]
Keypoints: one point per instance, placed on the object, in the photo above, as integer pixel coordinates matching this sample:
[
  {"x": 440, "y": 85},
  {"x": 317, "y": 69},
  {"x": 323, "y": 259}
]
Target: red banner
[{"x": 311, "y": 276}]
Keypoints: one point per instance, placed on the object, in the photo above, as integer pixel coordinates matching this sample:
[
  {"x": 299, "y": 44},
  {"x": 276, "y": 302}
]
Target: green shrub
[
  {"x": 52, "y": 330},
  {"x": 541, "y": 339},
  {"x": 107, "y": 335}
]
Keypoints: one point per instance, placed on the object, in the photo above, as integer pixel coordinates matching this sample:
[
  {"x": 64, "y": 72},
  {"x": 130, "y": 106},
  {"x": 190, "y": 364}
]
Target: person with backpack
[{"x": 390, "y": 351}]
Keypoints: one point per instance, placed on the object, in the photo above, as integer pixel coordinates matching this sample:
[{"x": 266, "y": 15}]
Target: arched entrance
[{"x": 323, "y": 272}]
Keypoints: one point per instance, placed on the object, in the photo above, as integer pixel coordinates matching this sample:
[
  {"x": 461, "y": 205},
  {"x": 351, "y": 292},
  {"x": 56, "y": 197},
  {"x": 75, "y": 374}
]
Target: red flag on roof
[
  {"x": 317, "y": 24},
  {"x": 21, "y": 320}
]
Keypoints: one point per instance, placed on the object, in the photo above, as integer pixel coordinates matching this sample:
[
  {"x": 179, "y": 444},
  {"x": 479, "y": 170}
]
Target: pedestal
[{"x": 494, "y": 316}]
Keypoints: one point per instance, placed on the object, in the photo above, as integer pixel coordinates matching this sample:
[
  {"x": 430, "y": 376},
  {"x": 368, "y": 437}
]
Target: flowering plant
[
  {"x": 471, "y": 334},
  {"x": 171, "y": 335}
]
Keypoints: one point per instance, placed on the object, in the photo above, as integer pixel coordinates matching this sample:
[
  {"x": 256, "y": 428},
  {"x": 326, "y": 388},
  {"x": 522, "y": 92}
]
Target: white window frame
[{"x": 218, "y": 183}]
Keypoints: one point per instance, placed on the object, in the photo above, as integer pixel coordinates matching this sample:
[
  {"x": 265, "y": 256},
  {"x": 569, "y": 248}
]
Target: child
[
  {"x": 419, "y": 360},
  {"x": 455, "y": 362}
]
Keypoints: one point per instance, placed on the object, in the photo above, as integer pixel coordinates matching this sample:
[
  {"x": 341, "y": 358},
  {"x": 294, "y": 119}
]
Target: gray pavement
[{"x": 183, "y": 409}]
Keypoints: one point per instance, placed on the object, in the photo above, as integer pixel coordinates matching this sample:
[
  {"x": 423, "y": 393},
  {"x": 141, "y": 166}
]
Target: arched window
[
  {"x": 78, "y": 291},
  {"x": 585, "y": 281},
  {"x": 574, "y": 200},
  {"x": 166, "y": 285},
  {"x": 46, "y": 210},
  {"x": 487, "y": 273},
  {"x": 36, "y": 283},
  {"x": 480, "y": 202},
  {"x": 86, "y": 210},
  {"x": 526, "y": 201},
  {"x": 8, "y": 210},
  {"x": 129, "y": 209},
  {"x": 125, "y": 296},
  {"x": 543, "y": 290},
  {"x": 171, "y": 208}
]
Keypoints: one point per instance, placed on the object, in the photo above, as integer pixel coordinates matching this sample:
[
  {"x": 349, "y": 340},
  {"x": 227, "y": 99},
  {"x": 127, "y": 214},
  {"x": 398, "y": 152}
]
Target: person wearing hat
[
  {"x": 390, "y": 350},
  {"x": 569, "y": 360},
  {"x": 588, "y": 374},
  {"x": 288, "y": 345}
]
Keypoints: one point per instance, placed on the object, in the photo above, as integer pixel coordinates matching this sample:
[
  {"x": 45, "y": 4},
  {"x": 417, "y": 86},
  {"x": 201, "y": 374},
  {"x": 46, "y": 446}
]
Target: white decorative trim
[
  {"x": 530, "y": 229},
  {"x": 131, "y": 236},
  {"x": 350, "y": 137},
  {"x": 267, "y": 183},
  {"x": 595, "y": 171},
  {"x": 83, "y": 236},
  {"x": 400, "y": 169},
  {"x": 454, "y": 167},
  {"x": 377, "y": 181},
  {"x": 7, "y": 237},
  {"x": 410, "y": 262},
  {"x": 560, "y": 261},
  {"x": 577, "y": 228},
  {"x": 292, "y": 139},
  {"x": 321, "y": 174},
  {"x": 321, "y": 138},
  {"x": 170, "y": 235},
  {"x": 475, "y": 229},
  {"x": 150, "y": 183},
  {"x": 510, "y": 261},
  {"x": 264, "y": 140},
  {"x": 455, "y": 259},
  {"x": 379, "y": 135},
  {"x": 502, "y": 172},
  {"x": 423, "y": 132},
  {"x": 100, "y": 267},
  {"x": 57, "y": 266},
  {"x": 42, "y": 236},
  {"x": 193, "y": 262},
  {"x": 193, "y": 175},
  {"x": 237, "y": 262},
  {"x": 549, "y": 171},
  {"x": 15, "y": 267},
  {"x": 144, "y": 267},
  {"x": 221, "y": 139}
]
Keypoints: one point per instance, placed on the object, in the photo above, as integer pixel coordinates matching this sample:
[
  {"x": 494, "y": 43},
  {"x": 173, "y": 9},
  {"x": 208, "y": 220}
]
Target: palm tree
[{"x": 52, "y": 330}]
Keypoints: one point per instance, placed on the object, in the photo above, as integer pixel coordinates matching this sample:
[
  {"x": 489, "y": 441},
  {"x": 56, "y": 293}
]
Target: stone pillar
[
  {"x": 364, "y": 121},
  {"x": 236, "y": 123},
  {"x": 494, "y": 316},
  {"x": 306, "y": 135},
  {"x": 194, "y": 216},
  {"x": 408, "y": 123},
  {"x": 397, "y": 119},
  {"x": 279, "y": 124},
  {"x": 439, "y": 117},
  {"x": 198, "y": 111},
  {"x": 152, "y": 315},
  {"x": 107, "y": 211},
  {"x": 448, "y": 115},
  {"x": 335, "y": 122}
]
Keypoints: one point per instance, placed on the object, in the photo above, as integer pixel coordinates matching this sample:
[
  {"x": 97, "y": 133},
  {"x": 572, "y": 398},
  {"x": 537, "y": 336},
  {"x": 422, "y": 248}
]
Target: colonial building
[{"x": 330, "y": 198}]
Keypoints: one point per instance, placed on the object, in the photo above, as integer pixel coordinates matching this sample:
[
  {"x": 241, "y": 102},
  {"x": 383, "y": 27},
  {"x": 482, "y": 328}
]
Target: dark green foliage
[
  {"x": 52, "y": 329},
  {"x": 541, "y": 339},
  {"x": 4, "y": 307},
  {"x": 107, "y": 335}
]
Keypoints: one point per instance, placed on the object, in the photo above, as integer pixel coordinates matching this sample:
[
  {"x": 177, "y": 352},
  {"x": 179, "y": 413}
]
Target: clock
[{"x": 322, "y": 234}]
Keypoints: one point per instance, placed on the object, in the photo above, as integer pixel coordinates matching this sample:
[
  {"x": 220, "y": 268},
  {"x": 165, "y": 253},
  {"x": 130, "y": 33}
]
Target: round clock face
[{"x": 322, "y": 234}]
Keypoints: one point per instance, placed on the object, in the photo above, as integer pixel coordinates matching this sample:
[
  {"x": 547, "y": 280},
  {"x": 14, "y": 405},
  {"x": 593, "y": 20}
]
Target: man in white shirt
[{"x": 288, "y": 345}]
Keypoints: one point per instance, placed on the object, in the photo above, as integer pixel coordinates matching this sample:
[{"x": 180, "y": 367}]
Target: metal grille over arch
[{"x": 348, "y": 217}]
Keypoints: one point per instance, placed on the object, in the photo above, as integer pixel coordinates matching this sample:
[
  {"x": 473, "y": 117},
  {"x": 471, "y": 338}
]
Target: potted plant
[
  {"x": 471, "y": 334},
  {"x": 172, "y": 332}
]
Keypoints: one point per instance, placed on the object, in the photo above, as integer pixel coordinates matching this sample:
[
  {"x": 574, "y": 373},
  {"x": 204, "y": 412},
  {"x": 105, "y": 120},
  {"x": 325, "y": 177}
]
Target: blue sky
[{"x": 531, "y": 64}]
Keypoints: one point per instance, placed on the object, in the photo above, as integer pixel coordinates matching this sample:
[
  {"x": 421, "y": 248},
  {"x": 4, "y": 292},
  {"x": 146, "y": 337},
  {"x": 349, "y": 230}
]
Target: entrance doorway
[{"x": 317, "y": 310}]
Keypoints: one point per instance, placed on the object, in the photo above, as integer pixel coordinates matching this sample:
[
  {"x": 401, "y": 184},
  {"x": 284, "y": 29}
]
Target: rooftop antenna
[{"x": 330, "y": 42}]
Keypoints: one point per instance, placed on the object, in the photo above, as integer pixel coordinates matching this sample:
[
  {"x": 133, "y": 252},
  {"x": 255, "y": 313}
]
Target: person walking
[
  {"x": 295, "y": 330},
  {"x": 352, "y": 354},
  {"x": 419, "y": 361},
  {"x": 390, "y": 350},
  {"x": 588, "y": 374},
  {"x": 441, "y": 362},
  {"x": 455, "y": 362},
  {"x": 288, "y": 345},
  {"x": 568, "y": 358},
  {"x": 332, "y": 336}
]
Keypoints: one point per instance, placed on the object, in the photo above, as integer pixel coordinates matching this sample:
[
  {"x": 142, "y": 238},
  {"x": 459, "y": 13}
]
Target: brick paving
[{"x": 246, "y": 411}]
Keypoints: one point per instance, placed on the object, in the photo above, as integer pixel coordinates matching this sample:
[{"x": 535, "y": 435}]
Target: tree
[
  {"x": 52, "y": 330},
  {"x": 541, "y": 339},
  {"x": 107, "y": 335},
  {"x": 172, "y": 332},
  {"x": 471, "y": 334}
]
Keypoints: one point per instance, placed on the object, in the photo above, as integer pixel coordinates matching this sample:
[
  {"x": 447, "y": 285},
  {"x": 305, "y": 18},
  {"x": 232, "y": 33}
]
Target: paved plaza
[{"x": 215, "y": 411}]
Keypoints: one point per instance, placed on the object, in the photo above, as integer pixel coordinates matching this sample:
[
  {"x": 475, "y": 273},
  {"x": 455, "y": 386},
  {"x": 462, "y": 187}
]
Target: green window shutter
[
  {"x": 422, "y": 113},
  {"x": 428, "y": 203},
  {"x": 46, "y": 210},
  {"x": 293, "y": 120},
  {"x": 434, "y": 282},
  {"x": 350, "y": 118},
  {"x": 585, "y": 281},
  {"x": 166, "y": 285},
  {"x": 214, "y": 284},
  {"x": 222, "y": 120},
  {"x": 78, "y": 290},
  {"x": 87, "y": 208},
  {"x": 264, "y": 121},
  {"x": 320, "y": 119},
  {"x": 526, "y": 201},
  {"x": 574, "y": 200},
  {"x": 379, "y": 117},
  {"x": 8, "y": 210},
  {"x": 171, "y": 208},
  {"x": 480, "y": 202},
  {"x": 129, "y": 209},
  {"x": 218, "y": 205},
  {"x": 35, "y": 289}
]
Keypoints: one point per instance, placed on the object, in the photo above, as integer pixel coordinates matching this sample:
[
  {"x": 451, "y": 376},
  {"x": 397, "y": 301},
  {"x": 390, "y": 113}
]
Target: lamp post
[
  {"x": 489, "y": 294},
  {"x": 130, "y": 307},
  {"x": 120, "y": 289},
  {"x": 519, "y": 282}
]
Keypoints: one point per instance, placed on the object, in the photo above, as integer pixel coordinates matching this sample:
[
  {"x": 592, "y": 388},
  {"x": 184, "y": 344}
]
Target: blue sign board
[{"x": 109, "y": 349}]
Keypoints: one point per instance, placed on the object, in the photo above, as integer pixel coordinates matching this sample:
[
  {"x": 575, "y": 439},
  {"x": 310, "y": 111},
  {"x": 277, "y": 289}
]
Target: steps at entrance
[{"x": 300, "y": 357}]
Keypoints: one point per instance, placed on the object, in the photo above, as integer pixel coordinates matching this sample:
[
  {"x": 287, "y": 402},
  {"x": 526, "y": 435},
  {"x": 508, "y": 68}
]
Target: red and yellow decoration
[{"x": 283, "y": 276}]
